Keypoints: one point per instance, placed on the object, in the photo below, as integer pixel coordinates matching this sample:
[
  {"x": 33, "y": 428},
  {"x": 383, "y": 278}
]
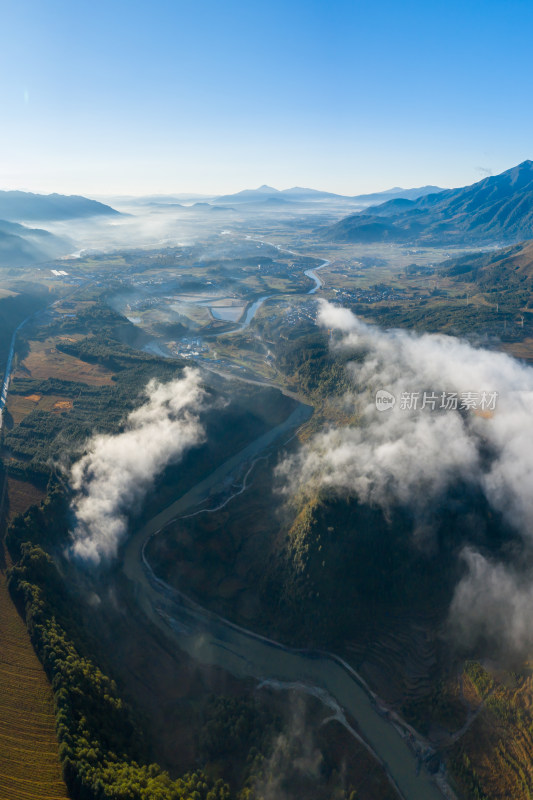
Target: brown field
[
  {"x": 62, "y": 405},
  {"x": 523, "y": 349},
  {"x": 45, "y": 361},
  {"x": 21, "y": 496},
  {"x": 20, "y": 407},
  {"x": 29, "y": 760}
]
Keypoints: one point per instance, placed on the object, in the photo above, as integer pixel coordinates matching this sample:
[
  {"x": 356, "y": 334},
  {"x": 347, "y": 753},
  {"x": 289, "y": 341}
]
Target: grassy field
[
  {"x": 20, "y": 407},
  {"x": 21, "y": 496},
  {"x": 45, "y": 361}
]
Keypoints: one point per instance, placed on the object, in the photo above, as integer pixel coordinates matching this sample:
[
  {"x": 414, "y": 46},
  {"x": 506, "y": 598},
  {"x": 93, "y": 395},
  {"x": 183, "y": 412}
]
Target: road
[
  {"x": 7, "y": 374},
  {"x": 9, "y": 362}
]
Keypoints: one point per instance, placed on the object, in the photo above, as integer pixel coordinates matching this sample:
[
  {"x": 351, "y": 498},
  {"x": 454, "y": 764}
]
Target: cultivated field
[
  {"x": 29, "y": 761},
  {"x": 45, "y": 361},
  {"x": 20, "y": 407}
]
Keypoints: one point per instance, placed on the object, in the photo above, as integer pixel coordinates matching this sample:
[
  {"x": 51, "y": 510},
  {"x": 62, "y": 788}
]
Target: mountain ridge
[
  {"x": 497, "y": 208},
  {"x": 22, "y": 246},
  {"x": 18, "y": 206},
  {"x": 303, "y": 194}
]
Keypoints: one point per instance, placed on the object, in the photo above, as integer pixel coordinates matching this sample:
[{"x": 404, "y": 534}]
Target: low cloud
[
  {"x": 414, "y": 456},
  {"x": 117, "y": 471},
  {"x": 493, "y": 607},
  {"x": 295, "y": 761}
]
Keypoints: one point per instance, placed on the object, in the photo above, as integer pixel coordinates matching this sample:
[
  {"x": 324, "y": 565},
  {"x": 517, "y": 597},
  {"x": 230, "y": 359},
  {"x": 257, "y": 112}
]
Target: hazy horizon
[{"x": 194, "y": 193}]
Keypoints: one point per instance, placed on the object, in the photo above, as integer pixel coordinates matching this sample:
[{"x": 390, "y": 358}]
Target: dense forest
[
  {"x": 101, "y": 743},
  {"x": 14, "y": 310},
  {"x": 103, "y": 748}
]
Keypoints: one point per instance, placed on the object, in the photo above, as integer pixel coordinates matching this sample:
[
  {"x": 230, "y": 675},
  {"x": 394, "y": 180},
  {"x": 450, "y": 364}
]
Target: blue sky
[{"x": 135, "y": 97}]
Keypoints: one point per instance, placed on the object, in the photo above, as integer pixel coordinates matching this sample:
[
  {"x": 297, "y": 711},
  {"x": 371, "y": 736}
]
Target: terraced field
[{"x": 29, "y": 760}]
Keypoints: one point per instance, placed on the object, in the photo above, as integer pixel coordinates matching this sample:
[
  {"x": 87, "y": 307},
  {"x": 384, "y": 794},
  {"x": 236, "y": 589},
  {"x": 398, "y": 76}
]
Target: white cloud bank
[
  {"x": 414, "y": 456},
  {"x": 117, "y": 471}
]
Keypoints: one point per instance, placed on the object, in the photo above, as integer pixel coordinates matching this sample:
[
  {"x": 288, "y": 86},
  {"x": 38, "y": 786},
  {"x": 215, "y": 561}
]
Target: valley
[{"x": 258, "y": 599}]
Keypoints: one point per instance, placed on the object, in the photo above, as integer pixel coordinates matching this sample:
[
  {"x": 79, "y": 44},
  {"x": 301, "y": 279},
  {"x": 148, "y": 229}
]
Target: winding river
[
  {"x": 254, "y": 307},
  {"x": 213, "y": 640},
  {"x": 311, "y": 273}
]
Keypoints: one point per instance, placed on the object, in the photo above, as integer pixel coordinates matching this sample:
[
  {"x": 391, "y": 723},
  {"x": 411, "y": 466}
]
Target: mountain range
[
  {"x": 28, "y": 207},
  {"x": 503, "y": 274},
  {"x": 21, "y": 246},
  {"x": 297, "y": 194},
  {"x": 495, "y": 209}
]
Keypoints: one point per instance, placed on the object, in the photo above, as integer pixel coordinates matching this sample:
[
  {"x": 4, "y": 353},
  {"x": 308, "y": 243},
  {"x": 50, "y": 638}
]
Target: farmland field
[
  {"x": 20, "y": 407},
  {"x": 523, "y": 349},
  {"x": 45, "y": 361},
  {"x": 29, "y": 762},
  {"x": 22, "y": 495},
  {"x": 29, "y": 759}
]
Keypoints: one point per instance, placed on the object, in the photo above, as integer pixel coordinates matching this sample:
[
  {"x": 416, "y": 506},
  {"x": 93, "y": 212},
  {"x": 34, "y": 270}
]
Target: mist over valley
[{"x": 266, "y": 402}]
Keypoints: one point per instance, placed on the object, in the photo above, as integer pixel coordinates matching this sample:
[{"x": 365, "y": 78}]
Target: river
[
  {"x": 256, "y": 305},
  {"x": 213, "y": 640},
  {"x": 252, "y": 309},
  {"x": 311, "y": 273}
]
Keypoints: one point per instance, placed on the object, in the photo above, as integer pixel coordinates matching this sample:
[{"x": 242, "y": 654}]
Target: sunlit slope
[
  {"x": 493, "y": 759},
  {"x": 29, "y": 761},
  {"x": 496, "y": 209}
]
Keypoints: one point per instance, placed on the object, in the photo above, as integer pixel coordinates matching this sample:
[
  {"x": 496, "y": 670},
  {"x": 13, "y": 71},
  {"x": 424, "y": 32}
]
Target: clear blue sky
[{"x": 211, "y": 96}]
